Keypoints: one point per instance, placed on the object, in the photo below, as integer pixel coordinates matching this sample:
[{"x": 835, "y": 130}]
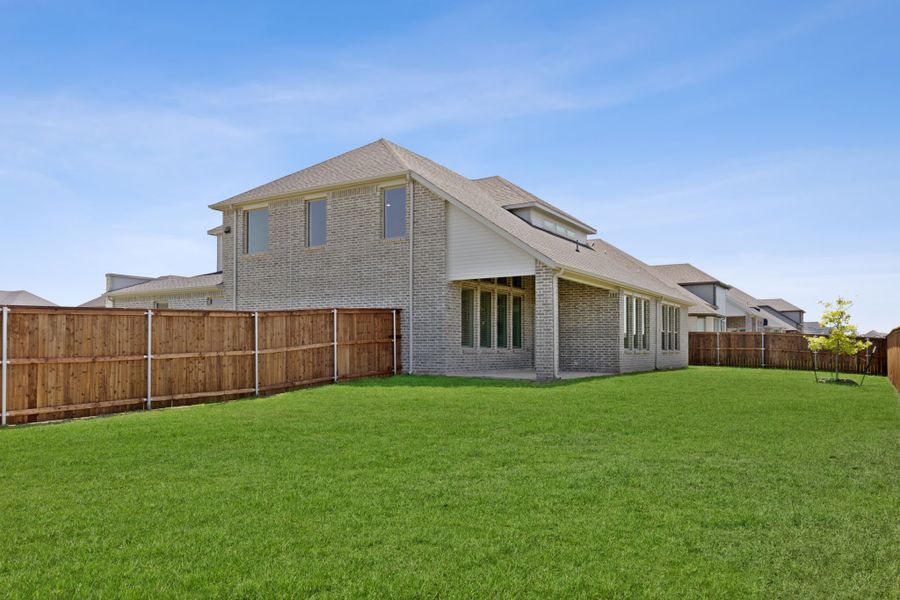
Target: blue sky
[{"x": 752, "y": 139}]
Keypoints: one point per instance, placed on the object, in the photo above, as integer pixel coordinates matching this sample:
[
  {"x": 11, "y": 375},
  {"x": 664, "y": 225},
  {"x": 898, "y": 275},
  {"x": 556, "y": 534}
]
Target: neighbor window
[
  {"x": 395, "y": 212},
  {"x": 161, "y": 305},
  {"x": 637, "y": 323},
  {"x": 517, "y": 322},
  {"x": 502, "y": 320},
  {"x": 256, "y": 239},
  {"x": 670, "y": 327},
  {"x": 316, "y": 223},
  {"x": 484, "y": 338},
  {"x": 467, "y": 319}
]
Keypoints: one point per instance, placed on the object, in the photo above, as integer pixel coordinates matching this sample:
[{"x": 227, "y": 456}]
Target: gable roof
[
  {"x": 171, "y": 283},
  {"x": 751, "y": 304},
  {"x": 779, "y": 304},
  {"x": 686, "y": 274},
  {"x": 510, "y": 195},
  {"x": 98, "y": 302},
  {"x": 484, "y": 201},
  {"x": 22, "y": 298},
  {"x": 700, "y": 307}
]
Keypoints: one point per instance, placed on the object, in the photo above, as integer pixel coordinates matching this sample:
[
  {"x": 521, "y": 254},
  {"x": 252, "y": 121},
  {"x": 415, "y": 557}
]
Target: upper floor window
[
  {"x": 394, "y": 212},
  {"x": 256, "y": 238},
  {"x": 316, "y": 223}
]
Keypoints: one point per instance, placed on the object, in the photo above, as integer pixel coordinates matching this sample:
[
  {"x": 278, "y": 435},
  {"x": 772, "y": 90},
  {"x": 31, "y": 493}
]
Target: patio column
[{"x": 546, "y": 322}]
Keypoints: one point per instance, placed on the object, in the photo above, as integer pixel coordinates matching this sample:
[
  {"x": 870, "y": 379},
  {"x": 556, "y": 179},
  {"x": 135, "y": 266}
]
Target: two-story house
[{"x": 487, "y": 276}]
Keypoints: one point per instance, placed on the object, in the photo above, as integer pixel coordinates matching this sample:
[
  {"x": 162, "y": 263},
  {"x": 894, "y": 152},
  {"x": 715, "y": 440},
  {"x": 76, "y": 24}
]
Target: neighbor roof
[
  {"x": 749, "y": 303},
  {"x": 874, "y": 334},
  {"x": 686, "y": 274},
  {"x": 779, "y": 304},
  {"x": 701, "y": 307},
  {"x": 22, "y": 298},
  {"x": 171, "y": 283},
  {"x": 98, "y": 302},
  {"x": 484, "y": 201}
]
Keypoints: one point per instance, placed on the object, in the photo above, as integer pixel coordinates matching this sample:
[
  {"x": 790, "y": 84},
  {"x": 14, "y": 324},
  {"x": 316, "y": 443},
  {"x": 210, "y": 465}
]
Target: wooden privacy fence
[
  {"x": 71, "y": 362},
  {"x": 778, "y": 351},
  {"x": 893, "y": 357}
]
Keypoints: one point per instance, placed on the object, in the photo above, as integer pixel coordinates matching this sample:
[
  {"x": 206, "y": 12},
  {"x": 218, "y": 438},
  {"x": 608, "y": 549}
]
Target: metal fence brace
[
  {"x": 3, "y": 360},
  {"x": 334, "y": 342},
  {"x": 394, "y": 339},
  {"x": 149, "y": 359},
  {"x": 256, "y": 353}
]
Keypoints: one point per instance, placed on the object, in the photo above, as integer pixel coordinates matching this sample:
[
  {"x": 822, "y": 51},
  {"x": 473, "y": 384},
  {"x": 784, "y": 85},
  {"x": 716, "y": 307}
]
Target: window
[
  {"x": 502, "y": 321},
  {"x": 216, "y": 302},
  {"x": 161, "y": 305},
  {"x": 256, "y": 226},
  {"x": 637, "y": 323},
  {"x": 517, "y": 282},
  {"x": 484, "y": 339},
  {"x": 395, "y": 212},
  {"x": 671, "y": 327},
  {"x": 517, "y": 322},
  {"x": 316, "y": 223},
  {"x": 467, "y": 319}
]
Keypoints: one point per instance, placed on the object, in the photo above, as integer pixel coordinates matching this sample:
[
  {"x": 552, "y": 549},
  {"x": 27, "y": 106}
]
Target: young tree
[{"x": 842, "y": 338}]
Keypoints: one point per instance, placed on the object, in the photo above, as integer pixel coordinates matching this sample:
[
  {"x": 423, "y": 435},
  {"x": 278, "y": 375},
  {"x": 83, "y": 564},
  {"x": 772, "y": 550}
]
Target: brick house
[{"x": 488, "y": 277}]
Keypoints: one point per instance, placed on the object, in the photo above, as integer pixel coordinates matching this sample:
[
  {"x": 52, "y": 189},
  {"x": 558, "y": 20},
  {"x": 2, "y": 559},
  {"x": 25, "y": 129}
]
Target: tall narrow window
[
  {"x": 502, "y": 321},
  {"x": 646, "y": 336},
  {"x": 316, "y": 223},
  {"x": 664, "y": 327},
  {"x": 629, "y": 322},
  {"x": 484, "y": 339},
  {"x": 467, "y": 319},
  {"x": 256, "y": 226},
  {"x": 677, "y": 328},
  {"x": 395, "y": 212},
  {"x": 638, "y": 322},
  {"x": 517, "y": 322}
]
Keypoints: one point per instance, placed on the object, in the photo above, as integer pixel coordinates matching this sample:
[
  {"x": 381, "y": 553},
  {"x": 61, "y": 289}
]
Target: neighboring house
[
  {"x": 22, "y": 298},
  {"x": 488, "y": 277},
  {"x": 784, "y": 310},
  {"x": 814, "y": 328},
  {"x": 723, "y": 307},
  {"x": 710, "y": 312},
  {"x": 874, "y": 334},
  {"x": 170, "y": 291}
]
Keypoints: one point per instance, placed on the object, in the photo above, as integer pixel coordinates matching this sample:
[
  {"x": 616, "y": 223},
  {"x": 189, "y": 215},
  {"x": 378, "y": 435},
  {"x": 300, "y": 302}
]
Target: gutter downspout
[
  {"x": 412, "y": 214},
  {"x": 234, "y": 220}
]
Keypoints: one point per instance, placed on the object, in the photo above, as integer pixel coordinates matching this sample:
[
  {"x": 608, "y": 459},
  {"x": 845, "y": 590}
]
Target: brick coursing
[
  {"x": 191, "y": 300},
  {"x": 588, "y": 328},
  {"x": 546, "y": 322}
]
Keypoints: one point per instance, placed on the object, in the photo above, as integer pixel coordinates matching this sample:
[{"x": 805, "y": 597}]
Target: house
[
  {"x": 22, "y": 298},
  {"x": 487, "y": 276},
  {"x": 723, "y": 307},
  {"x": 784, "y": 310},
  {"x": 814, "y": 328},
  {"x": 709, "y": 313},
  {"x": 170, "y": 291},
  {"x": 872, "y": 333}
]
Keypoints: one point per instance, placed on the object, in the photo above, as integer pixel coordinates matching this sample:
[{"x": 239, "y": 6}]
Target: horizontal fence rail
[
  {"x": 71, "y": 362},
  {"x": 779, "y": 351}
]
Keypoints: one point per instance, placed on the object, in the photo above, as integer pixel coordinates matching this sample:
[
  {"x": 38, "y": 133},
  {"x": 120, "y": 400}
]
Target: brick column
[{"x": 546, "y": 322}]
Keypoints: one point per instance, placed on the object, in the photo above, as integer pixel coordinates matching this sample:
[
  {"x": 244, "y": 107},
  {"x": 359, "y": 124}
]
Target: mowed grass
[{"x": 695, "y": 483}]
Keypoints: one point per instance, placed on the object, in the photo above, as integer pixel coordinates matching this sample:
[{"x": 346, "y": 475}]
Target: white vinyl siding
[{"x": 475, "y": 252}]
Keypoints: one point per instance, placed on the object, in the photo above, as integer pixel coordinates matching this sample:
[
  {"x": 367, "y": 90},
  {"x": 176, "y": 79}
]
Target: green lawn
[{"x": 702, "y": 482}]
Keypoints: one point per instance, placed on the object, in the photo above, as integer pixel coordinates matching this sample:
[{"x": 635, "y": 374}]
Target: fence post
[
  {"x": 149, "y": 359},
  {"x": 718, "y": 363},
  {"x": 3, "y": 361},
  {"x": 394, "y": 339},
  {"x": 763, "y": 349},
  {"x": 334, "y": 342},
  {"x": 256, "y": 353}
]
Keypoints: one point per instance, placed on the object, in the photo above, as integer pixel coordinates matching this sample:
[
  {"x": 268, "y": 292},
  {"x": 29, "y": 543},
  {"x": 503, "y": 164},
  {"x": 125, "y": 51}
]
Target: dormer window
[{"x": 552, "y": 221}]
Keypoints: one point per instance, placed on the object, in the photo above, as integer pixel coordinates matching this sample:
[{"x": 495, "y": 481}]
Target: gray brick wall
[
  {"x": 589, "y": 328},
  {"x": 190, "y": 300},
  {"x": 546, "y": 322}
]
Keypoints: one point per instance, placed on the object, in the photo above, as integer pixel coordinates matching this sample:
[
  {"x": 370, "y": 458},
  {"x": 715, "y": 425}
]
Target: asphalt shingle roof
[
  {"x": 22, "y": 298},
  {"x": 171, "y": 283},
  {"x": 779, "y": 304}
]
